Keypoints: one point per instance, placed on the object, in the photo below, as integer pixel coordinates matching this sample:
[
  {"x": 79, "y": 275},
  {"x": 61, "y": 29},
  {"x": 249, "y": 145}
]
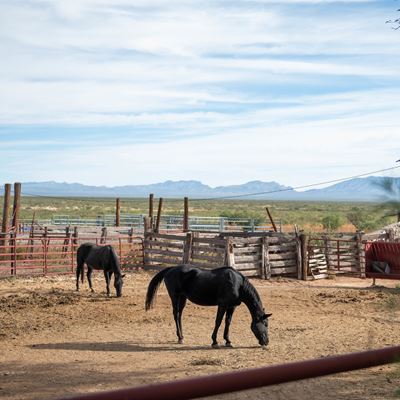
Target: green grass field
[{"x": 307, "y": 215}]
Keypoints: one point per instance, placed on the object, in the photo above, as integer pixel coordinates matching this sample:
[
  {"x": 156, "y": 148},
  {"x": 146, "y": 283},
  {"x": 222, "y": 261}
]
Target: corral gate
[{"x": 329, "y": 256}]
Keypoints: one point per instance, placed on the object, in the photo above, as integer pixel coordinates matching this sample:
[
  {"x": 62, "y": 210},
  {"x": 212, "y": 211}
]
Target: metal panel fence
[
  {"x": 167, "y": 223},
  {"x": 57, "y": 254}
]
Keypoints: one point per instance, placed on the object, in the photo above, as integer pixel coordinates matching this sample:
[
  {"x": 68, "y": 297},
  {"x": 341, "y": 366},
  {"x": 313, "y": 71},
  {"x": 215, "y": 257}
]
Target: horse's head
[
  {"x": 118, "y": 283},
  {"x": 259, "y": 327}
]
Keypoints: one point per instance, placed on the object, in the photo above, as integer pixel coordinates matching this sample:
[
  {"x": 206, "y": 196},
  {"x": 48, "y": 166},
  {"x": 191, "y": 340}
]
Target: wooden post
[
  {"x": 6, "y": 215},
  {"x": 361, "y": 254},
  {"x": 151, "y": 206},
  {"x": 331, "y": 270},
  {"x": 186, "y": 214},
  {"x": 160, "y": 203},
  {"x": 17, "y": 204},
  {"x": 187, "y": 250},
  {"x": 146, "y": 241},
  {"x": 304, "y": 256},
  {"x": 265, "y": 265},
  {"x": 117, "y": 211},
  {"x": 66, "y": 241},
  {"x": 230, "y": 256},
  {"x": 103, "y": 238},
  {"x": 271, "y": 219},
  {"x": 130, "y": 235},
  {"x": 75, "y": 235}
]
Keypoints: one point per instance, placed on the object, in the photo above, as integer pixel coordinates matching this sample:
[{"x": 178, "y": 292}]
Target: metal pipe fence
[
  {"x": 57, "y": 254},
  {"x": 167, "y": 223}
]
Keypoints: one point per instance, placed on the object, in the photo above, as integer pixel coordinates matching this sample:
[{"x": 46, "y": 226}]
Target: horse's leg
[
  {"x": 178, "y": 305},
  {"x": 107, "y": 276},
  {"x": 228, "y": 319},
  {"x": 218, "y": 320},
  {"x": 78, "y": 272},
  {"x": 89, "y": 277}
]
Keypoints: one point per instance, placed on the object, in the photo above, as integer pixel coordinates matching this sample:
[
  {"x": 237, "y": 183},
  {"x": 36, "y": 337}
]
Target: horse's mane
[
  {"x": 249, "y": 291},
  {"x": 114, "y": 258}
]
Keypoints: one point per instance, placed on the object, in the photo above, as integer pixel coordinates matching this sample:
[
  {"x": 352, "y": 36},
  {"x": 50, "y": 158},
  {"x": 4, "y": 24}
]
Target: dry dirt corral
[{"x": 56, "y": 342}]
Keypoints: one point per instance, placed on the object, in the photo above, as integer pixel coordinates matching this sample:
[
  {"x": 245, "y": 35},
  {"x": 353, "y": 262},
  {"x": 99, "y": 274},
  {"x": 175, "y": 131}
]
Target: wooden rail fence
[{"x": 259, "y": 254}]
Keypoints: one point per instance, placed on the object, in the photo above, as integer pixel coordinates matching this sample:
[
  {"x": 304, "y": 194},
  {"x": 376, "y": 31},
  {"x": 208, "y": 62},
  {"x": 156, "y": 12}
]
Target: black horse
[
  {"x": 222, "y": 287},
  {"x": 99, "y": 258}
]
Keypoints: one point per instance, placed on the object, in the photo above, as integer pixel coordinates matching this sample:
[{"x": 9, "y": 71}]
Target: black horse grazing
[
  {"x": 99, "y": 258},
  {"x": 222, "y": 287}
]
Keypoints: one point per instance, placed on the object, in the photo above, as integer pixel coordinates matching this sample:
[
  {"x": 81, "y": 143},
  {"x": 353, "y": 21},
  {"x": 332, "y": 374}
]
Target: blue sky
[{"x": 125, "y": 92}]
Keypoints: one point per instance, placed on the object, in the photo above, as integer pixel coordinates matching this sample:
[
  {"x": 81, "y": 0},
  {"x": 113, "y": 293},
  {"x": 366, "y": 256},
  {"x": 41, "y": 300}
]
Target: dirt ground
[{"x": 56, "y": 342}]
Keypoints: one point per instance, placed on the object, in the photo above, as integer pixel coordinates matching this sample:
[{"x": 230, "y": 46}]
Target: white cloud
[{"x": 218, "y": 91}]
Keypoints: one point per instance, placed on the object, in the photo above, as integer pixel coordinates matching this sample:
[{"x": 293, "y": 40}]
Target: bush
[{"x": 331, "y": 222}]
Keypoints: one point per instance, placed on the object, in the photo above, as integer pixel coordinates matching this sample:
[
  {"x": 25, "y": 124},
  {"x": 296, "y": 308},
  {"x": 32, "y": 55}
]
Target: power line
[
  {"x": 82, "y": 198},
  {"x": 300, "y": 187}
]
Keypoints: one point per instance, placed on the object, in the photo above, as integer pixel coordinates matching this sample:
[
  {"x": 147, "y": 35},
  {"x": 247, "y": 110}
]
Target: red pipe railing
[{"x": 249, "y": 379}]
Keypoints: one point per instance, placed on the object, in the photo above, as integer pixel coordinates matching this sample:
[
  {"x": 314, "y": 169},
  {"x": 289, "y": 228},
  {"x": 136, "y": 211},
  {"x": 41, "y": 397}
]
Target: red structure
[
  {"x": 251, "y": 378},
  {"x": 384, "y": 252}
]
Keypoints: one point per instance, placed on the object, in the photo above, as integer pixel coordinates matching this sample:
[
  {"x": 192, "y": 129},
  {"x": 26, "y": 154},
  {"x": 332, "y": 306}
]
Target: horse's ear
[
  {"x": 265, "y": 316},
  {"x": 123, "y": 276}
]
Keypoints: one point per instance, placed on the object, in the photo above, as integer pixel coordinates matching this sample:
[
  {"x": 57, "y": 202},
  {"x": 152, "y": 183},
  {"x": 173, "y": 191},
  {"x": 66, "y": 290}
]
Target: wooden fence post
[
  {"x": 130, "y": 235},
  {"x": 304, "y": 257},
  {"x": 103, "y": 238},
  {"x": 229, "y": 253},
  {"x": 6, "y": 216},
  {"x": 160, "y": 204},
  {"x": 266, "y": 265},
  {"x": 146, "y": 245},
  {"x": 117, "y": 212},
  {"x": 17, "y": 204},
  {"x": 331, "y": 270},
  {"x": 151, "y": 206},
  {"x": 299, "y": 257},
  {"x": 360, "y": 253},
  {"x": 271, "y": 219},
  {"x": 75, "y": 235},
  {"x": 187, "y": 249},
  {"x": 186, "y": 214}
]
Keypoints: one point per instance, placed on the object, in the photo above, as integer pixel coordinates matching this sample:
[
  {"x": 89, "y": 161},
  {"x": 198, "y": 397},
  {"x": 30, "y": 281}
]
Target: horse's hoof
[
  {"x": 215, "y": 346},
  {"x": 180, "y": 341},
  {"x": 228, "y": 344}
]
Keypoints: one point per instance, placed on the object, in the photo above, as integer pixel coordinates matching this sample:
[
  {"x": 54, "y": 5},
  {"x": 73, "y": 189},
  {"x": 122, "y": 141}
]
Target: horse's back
[
  {"x": 97, "y": 257},
  {"x": 220, "y": 286}
]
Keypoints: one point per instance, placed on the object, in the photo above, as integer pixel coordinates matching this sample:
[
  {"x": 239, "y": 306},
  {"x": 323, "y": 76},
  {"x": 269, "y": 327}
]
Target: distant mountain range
[{"x": 358, "y": 189}]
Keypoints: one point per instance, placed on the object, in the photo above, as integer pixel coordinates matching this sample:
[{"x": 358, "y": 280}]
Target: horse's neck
[
  {"x": 115, "y": 265},
  {"x": 253, "y": 302}
]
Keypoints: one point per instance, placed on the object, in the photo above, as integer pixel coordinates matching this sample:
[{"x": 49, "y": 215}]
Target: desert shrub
[{"x": 331, "y": 222}]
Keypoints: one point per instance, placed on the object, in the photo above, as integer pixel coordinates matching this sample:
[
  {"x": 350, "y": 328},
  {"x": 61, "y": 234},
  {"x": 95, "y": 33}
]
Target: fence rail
[{"x": 229, "y": 382}]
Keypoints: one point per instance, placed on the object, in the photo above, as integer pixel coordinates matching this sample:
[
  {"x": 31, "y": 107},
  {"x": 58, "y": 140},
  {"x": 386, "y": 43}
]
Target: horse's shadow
[{"x": 126, "y": 347}]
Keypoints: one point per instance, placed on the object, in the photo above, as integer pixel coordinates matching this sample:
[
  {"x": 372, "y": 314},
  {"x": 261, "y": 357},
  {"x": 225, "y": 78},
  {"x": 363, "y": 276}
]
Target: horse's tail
[{"x": 153, "y": 287}]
